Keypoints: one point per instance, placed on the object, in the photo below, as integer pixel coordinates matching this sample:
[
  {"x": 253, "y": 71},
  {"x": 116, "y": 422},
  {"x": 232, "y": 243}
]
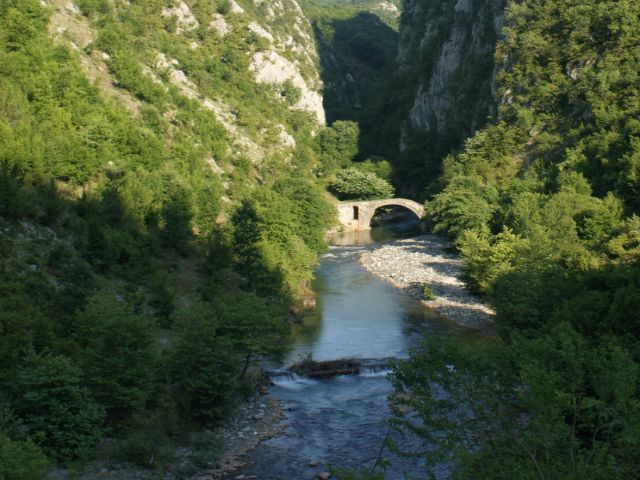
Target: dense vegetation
[
  {"x": 543, "y": 205},
  {"x": 146, "y": 257},
  {"x": 152, "y": 247}
]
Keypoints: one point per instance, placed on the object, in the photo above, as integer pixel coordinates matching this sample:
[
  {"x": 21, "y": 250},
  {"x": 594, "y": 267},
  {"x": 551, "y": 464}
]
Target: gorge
[{"x": 169, "y": 169}]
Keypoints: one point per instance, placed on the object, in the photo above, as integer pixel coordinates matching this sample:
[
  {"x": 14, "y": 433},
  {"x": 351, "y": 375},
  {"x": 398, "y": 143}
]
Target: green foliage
[
  {"x": 357, "y": 42},
  {"x": 427, "y": 294},
  {"x": 465, "y": 206},
  {"x": 290, "y": 93},
  {"x": 255, "y": 326},
  {"x": 62, "y": 416},
  {"x": 118, "y": 357},
  {"x": 338, "y": 145},
  {"x": 123, "y": 183},
  {"x": 21, "y": 460},
  {"x": 356, "y": 184},
  {"x": 91, "y": 7},
  {"x": 471, "y": 406},
  {"x": 379, "y": 166},
  {"x": 274, "y": 239},
  {"x": 541, "y": 205},
  {"x": 311, "y": 210},
  {"x": 147, "y": 439},
  {"x": 12, "y": 199},
  {"x": 353, "y": 474},
  {"x": 204, "y": 365}
]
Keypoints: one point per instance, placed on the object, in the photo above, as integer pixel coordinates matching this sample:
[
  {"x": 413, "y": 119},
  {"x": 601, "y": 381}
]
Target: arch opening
[{"x": 386, "y": 215}]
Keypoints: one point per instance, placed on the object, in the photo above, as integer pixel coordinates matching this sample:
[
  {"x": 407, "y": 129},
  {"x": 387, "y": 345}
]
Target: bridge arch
[{"x": 356, "y": 216}]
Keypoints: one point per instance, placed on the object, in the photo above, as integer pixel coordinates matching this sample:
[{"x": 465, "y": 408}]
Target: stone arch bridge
[{"x": 356, "y": 216}]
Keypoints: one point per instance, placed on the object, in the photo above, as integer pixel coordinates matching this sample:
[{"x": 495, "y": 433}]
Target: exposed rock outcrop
[
  {"x": 185, "y": 21},
  {"x": 448, "y": 46},
  {"x": 271, "y": 67}
]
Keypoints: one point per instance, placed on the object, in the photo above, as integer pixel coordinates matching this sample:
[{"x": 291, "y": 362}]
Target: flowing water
[{"x": 341, "y": 421}]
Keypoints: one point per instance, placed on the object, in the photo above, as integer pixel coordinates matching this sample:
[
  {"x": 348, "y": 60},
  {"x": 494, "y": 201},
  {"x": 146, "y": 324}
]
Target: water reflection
[
  {"x": 398, "y": 226},
  {"x": 341, "y": 421}
]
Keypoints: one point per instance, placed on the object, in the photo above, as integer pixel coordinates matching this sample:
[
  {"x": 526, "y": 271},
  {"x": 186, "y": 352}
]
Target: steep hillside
[
  {"x": 445, "y": 82},
  {"x": 542, "y": 200},
  {"x": 200, "y": 54},
  {"x": 357, "y": 43},
  {"x": 160, "y": 217}
]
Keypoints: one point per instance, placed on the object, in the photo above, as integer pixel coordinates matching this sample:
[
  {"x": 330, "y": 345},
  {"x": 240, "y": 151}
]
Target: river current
[{"x": 341, "y": 422}]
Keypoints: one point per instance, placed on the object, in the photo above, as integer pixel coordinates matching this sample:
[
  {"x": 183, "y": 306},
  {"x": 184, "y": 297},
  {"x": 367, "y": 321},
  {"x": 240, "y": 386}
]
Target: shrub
[
  {"x": 62, "y": 416},
  {"x": 428, "y": 294},
  {"x": 223, "y": 7},
  {"x": 290, "y": 93},
  {"x": 21, "y": 460},
  {"x": 355, "y": 184}
]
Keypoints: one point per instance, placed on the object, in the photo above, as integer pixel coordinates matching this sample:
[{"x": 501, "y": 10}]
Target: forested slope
[
  {"x": 357, "y": 44},
  {"x": 159, "y": 215},
  {"x": 543, "y": 204}
]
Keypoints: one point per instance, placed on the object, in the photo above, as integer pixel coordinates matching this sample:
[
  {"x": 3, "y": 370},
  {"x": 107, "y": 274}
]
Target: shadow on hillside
[{"x": 357, "y": 62}]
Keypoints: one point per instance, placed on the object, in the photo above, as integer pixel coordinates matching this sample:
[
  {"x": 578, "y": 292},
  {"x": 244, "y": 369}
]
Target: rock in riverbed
[{"x": 413, "y": 263}]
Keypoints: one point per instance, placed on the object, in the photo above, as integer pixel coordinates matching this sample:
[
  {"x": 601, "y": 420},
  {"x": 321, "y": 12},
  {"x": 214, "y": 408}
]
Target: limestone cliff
[{"x": 446, "y": 69}]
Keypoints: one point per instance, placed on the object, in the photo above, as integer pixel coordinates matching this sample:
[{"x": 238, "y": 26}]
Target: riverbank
[
  {"x": 258, "y": 419},
  {"x": 209, "y": 454},
  {"x": 413, "y": 263}
]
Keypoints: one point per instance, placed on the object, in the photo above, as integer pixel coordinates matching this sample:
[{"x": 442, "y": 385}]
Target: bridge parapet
[{"x": 356, "y": 216}]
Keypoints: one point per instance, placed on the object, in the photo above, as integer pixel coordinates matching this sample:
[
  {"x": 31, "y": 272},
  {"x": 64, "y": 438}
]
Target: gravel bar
[{"x": 413, "y": 263}]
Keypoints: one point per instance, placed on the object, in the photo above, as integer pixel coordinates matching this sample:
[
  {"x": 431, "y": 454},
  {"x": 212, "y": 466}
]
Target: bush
[
  {"x": 223, "y": 7},
  {"x": 355, "y": 184},
  {"x": 428, "y": 294},
  {"x": 62, "y": 416},
  {"x": 147, "y": 440},
  {"x": 118, "y": 357},
  {"x": 21, "y": 460},
  {"x": 290, "y": 93}
]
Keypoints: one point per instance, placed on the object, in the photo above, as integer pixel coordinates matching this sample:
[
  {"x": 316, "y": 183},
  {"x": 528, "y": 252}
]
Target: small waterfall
[
  {"x": 359, "y": 367},
  {"x": 374, "y": 368},
  {"x": 284, "y": 376},
  {"x": 374, "y": 371}
]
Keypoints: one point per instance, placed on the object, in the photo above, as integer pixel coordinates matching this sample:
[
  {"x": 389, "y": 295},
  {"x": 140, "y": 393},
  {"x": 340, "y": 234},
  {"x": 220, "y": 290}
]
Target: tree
[
  {"x": 546, "y": 407},
  {"x": 203, "y": 366},
  {"x": 21, "y": 460},
  {"x": 62, "y": 415},
  {"x": 338, "y": 145},
  {"x": 13, "y": 202},
  {"x": 246, "y": 236},
  {"x": 177, "y": 214},
  {"x": 118, "y": 357},
  {"x": 254, "y": 326},
  {"x": 355, "y": 184}
]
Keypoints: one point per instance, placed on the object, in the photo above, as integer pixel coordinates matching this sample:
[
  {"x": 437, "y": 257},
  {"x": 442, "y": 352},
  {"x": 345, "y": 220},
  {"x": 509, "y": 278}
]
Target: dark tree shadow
[{"x": 357, "y": 64}]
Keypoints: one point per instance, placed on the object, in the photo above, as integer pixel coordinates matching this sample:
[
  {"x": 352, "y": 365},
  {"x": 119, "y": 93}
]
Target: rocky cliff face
[
  {"x": 445, "y": 60},
  {"x": 291, "y": 56}
]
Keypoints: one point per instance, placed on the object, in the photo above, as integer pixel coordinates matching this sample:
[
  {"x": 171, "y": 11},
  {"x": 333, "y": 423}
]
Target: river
[{"x": 342, "y": 421}]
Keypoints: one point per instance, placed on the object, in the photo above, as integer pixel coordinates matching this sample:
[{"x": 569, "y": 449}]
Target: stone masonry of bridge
[{"x": 356, "y": 216}]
